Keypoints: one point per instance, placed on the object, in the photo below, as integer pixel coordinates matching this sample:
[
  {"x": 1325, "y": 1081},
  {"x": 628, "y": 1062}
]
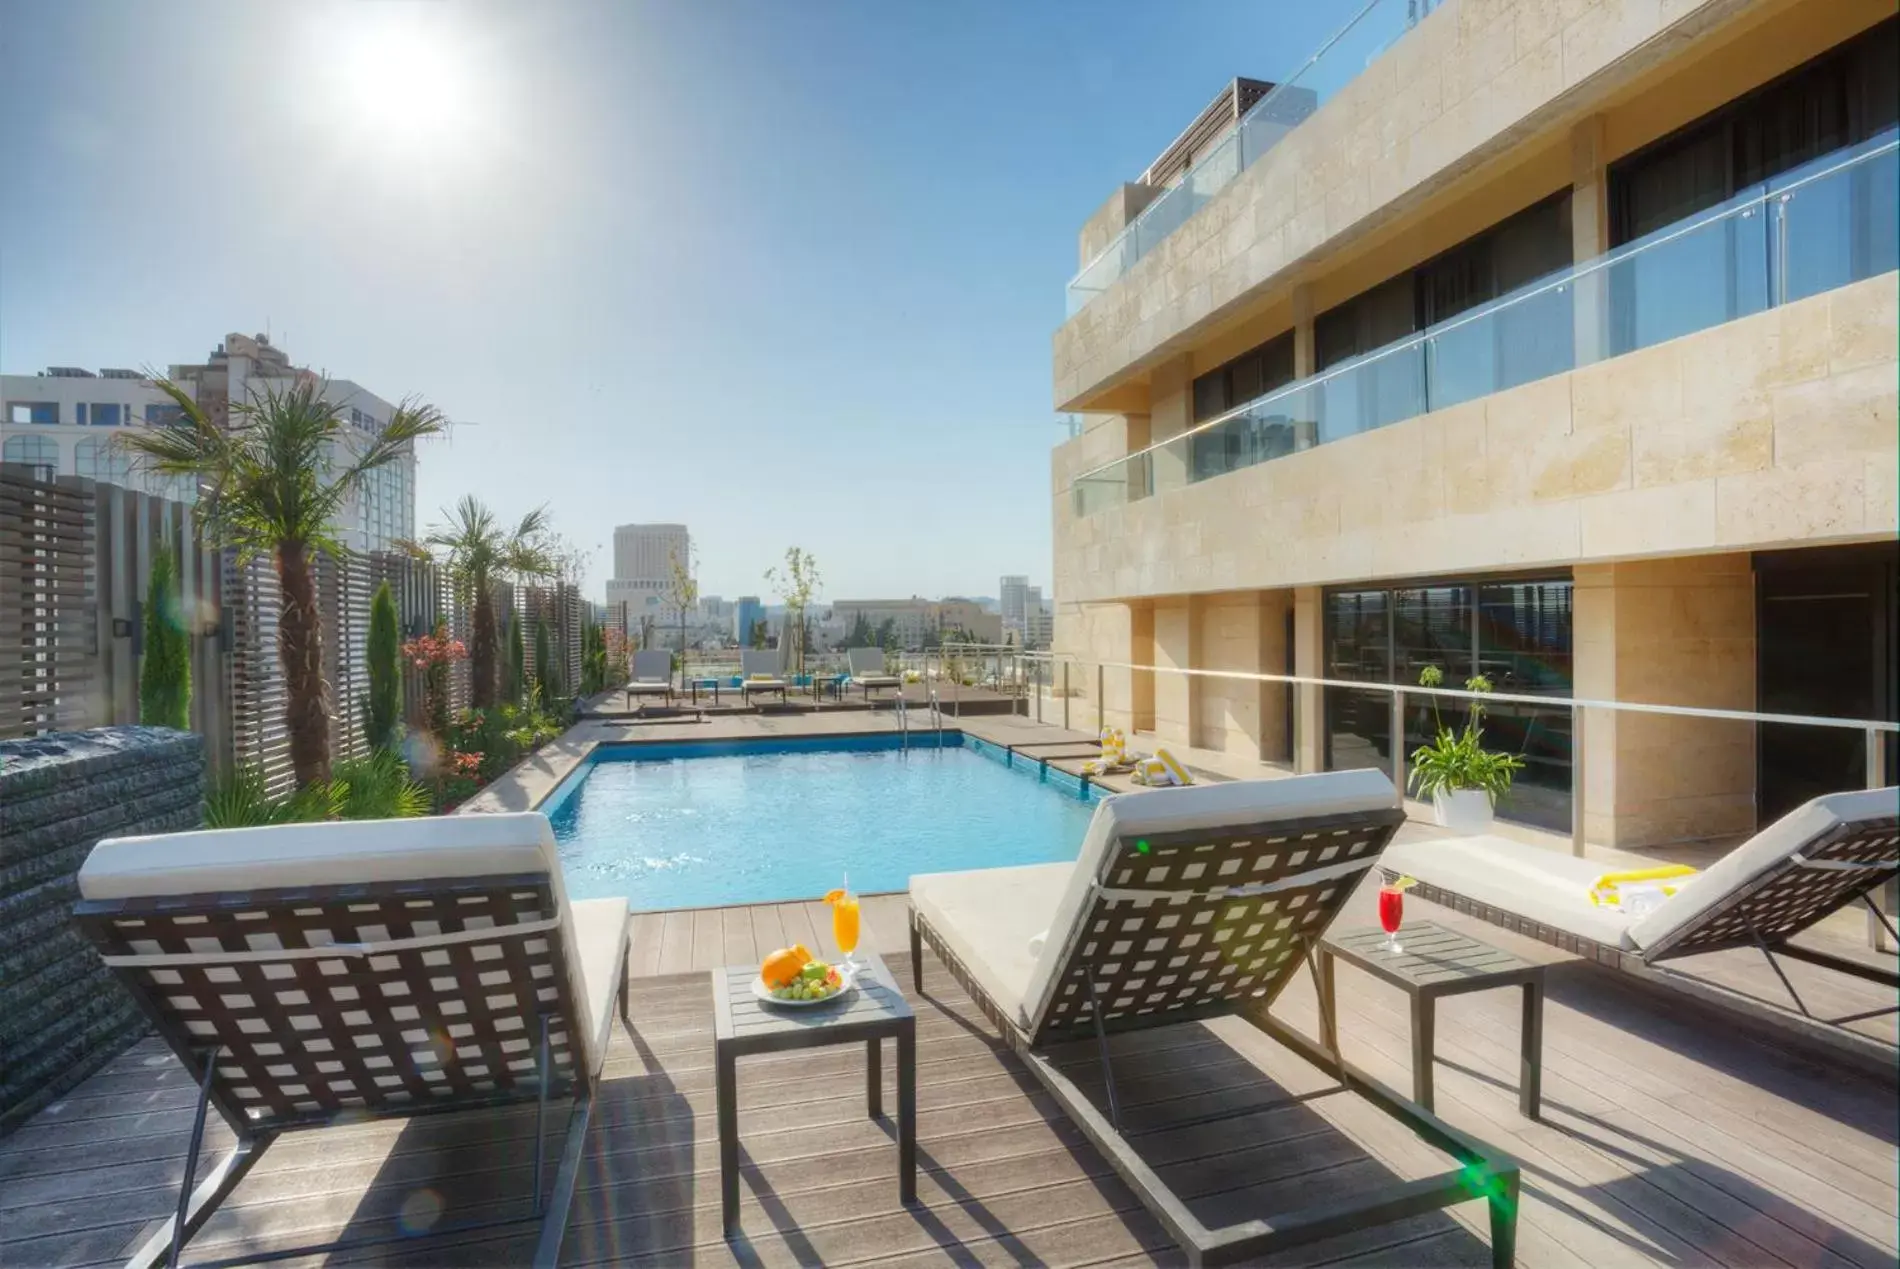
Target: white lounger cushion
[
  {"x": 1545, "y": 886},
  {"x": 987, "y": 916},
  {"x": 638, "y": 688},
  {"x": 354, "y": 852},
  {"x": 653, "y": 665},
  {"x": 1553, "y": 888},
  {"x": 1788, "y": 835}
]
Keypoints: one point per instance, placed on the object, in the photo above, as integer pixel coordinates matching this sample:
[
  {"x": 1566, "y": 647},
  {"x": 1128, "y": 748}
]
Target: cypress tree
[
  {"x": 165, "y": 669},
  {"x": 382, "y": 712},
  {"x": 517, "y": 663},
  {"x": 543, "y": 666}
]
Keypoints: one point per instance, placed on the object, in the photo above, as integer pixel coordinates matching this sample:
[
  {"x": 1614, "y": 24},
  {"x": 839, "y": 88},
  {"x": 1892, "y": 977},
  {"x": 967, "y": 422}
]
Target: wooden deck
[{"x": 1671, "y": 1135}]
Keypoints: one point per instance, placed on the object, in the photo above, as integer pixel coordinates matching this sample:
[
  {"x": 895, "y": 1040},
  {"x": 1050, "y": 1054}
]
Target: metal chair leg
[
  {"x": 1101, "y": 1044},
  {"x": 1775, "y": 965},
  {"x": 191, "y": 1157},
  {"x": 541, "y": 1114}
]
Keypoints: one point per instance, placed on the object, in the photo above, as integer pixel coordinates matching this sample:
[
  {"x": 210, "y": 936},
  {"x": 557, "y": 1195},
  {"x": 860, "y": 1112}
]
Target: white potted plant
[{"x": 1463, "y": 779}]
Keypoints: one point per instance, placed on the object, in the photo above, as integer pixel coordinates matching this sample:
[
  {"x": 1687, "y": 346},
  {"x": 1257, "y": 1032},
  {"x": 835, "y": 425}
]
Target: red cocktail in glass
[{"x": 1391, "y": 912}]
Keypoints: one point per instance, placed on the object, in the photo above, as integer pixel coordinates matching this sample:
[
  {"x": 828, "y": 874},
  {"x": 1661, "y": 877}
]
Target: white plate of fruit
[{"x": 812, "y": 982}]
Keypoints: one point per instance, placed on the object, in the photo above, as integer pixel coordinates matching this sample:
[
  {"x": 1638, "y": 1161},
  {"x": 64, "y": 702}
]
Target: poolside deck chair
[
  {"x": 315, "y": 974},
  {"x": 1828, "y": 854},
  {"x": 652, "y": 676},
  {"x": 1187, "y": 904},
  {"x": 760, "y": 668},
  {"x": 867, "y": 671}
]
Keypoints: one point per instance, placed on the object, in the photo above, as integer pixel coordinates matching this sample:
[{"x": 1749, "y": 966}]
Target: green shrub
[
  {"x": 376, "y": 787},
  {"x": 165, "y": 668},
  {"x": 382, "y": 709}
]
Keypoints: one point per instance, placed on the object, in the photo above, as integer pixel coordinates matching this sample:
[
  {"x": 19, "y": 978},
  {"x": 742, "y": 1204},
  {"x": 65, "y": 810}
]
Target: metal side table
[
  {"x": 743, "y": 1024},
  {"x": 1433, "y": 962}
]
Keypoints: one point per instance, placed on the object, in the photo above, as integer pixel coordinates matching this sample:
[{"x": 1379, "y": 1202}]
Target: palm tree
[
  {"x": 273, "y": 479},
  {"x": 480, "y": 554}
]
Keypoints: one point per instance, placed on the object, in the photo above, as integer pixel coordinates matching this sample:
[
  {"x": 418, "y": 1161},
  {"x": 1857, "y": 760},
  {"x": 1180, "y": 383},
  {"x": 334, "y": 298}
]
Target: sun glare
[{"x": 404, "y": 81}]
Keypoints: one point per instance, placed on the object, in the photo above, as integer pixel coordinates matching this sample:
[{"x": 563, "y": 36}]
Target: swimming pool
[{"x": 706, "y": 823}]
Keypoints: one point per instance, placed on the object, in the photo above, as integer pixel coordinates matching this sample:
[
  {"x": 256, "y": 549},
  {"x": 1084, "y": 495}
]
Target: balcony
[
  {"x": 1817, "y": 228},
  {"x": 1337, "y": 63}
]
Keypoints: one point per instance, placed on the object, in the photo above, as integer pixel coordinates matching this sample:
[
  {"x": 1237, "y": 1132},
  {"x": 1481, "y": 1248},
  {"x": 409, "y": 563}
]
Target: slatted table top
[
  {"x": 873, "y": 1007},
  {"x": 1431, "y": 959}
]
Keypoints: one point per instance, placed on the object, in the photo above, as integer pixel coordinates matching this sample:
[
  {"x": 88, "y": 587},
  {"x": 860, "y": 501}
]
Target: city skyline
[{"x": 546, "y": 226}]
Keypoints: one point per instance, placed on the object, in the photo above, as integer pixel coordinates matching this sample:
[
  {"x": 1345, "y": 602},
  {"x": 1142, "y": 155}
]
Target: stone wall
[{"x": 61, "y": 1014}]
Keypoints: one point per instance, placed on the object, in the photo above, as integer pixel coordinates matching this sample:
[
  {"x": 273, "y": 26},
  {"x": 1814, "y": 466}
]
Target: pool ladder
[{"x": 903, "y": 719}]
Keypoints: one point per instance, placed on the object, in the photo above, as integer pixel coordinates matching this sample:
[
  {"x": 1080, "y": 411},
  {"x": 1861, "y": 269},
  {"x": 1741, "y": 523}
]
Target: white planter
[{"x": 1463, "y": 811}]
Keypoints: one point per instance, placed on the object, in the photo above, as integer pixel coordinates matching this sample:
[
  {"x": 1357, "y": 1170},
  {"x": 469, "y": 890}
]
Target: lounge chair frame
[
  {"x": 317, "y": 1032},
  {"x": 1152, "y": 953},
  {"x": 1839, "y": 869}
]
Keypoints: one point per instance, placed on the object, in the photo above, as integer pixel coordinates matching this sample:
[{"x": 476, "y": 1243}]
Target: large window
[
  {"x": 38, "y": 451},
  {"x": 1515, "y": 631},
  {"x": 1842, "y": 228},
  {"x": 1479, "y": 358},
  {"x": 45, "y": 413},
  {"x": 101, "y": 460}
]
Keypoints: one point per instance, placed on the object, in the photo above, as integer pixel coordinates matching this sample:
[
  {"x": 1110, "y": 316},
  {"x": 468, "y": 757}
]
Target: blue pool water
[{"x": 696, "y": 825}]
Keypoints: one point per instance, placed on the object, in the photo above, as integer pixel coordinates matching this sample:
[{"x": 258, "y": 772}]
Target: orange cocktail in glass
[{"x": 844, "y": 921}]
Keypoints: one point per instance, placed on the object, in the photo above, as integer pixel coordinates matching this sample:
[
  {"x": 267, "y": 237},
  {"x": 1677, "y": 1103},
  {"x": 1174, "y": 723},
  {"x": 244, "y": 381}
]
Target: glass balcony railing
[
  {"x": 1824, "y": 225},
  {"x": 1337, "y": 63}
]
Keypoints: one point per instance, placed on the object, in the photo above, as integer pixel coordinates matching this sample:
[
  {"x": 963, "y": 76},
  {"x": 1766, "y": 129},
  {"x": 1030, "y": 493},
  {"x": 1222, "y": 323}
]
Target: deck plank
[{"x": 1668, "y": 1136}]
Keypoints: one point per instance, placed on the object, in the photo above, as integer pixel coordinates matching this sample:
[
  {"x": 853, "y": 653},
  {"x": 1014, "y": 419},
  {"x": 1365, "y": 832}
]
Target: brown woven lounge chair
[
  {"x": 314, "y": 974},
  {"x": 1827, "y": 854},
  {"x": 1185, "y": 904}
]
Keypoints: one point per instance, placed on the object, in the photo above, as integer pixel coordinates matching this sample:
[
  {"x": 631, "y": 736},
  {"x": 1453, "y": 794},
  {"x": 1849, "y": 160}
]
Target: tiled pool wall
[{"x": 665, "y": 751}]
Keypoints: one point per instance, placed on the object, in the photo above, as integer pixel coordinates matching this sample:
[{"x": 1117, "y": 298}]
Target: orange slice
[{"x": 834, "y": 896}]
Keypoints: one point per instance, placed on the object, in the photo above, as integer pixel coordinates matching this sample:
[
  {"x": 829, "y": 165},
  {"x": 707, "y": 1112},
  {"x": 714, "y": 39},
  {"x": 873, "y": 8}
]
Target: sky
[{"x": 785, "y": 271}]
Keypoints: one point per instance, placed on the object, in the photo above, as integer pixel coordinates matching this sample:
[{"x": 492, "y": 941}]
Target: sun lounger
[
  {"x": 316, "y": 974},
  {"x": 652, "y": 676},
  {"x": 867, "y": 671},
  {"x": 760, "y": 667},
  {"x": 1187, "y": 904},
  {"x": 1828, "y": 854}
]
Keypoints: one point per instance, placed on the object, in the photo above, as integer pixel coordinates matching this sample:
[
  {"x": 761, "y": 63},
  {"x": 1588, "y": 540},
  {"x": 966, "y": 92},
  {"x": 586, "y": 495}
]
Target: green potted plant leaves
[{"x": 1463, "y": 779}]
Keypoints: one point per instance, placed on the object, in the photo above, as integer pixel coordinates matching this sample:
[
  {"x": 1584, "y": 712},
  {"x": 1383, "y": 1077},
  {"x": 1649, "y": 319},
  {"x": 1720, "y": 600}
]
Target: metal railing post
[
  {"x": 1101, "y": 719},
  {"x": 1398, "y": 740},
  {"x": 1038, "y": 665},
  {"x": 1888, "y": 897},
  {"x": 1576, "y": 781},
  {"x": 1065, "y": 696}
]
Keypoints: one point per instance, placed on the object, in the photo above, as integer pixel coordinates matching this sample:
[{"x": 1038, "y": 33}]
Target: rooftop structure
[{"x": 1575, "y": 373}]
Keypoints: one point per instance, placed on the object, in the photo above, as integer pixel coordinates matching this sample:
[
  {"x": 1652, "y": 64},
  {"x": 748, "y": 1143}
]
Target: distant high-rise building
[
  {"x": 747, "y": 612},
  {"x": 63, "y": 421},
  {"x": 1011, "y": 604},
  {"x": 643, "y": 565},
  {"x": 1038, "y": 619}
]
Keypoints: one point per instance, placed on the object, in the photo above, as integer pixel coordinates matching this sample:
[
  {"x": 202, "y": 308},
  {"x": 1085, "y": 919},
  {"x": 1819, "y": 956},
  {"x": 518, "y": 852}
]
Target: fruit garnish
[
  {"x": 834, "y": 896},
  {"x": 1403, "y": 883}
]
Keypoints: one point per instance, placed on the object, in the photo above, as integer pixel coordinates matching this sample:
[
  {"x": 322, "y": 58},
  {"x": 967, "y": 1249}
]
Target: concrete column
[
  {"x": 1244, "y": 632},
  {"x": 1305, "y": 359},
  {"x": 1590, "y": 237},
  {"x": 1175, "y": 697},
  {"x": 1667, "y": 632},
  {"x": 1309, "y": 656},
  {"x": 1170, "y": 412},
  {"x": 1141, "y": 683}
]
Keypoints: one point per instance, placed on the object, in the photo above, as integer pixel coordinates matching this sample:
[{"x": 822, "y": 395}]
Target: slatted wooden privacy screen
[
  {"x": 75, "y": 562},
  {"x": 48, "y": 643}
]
